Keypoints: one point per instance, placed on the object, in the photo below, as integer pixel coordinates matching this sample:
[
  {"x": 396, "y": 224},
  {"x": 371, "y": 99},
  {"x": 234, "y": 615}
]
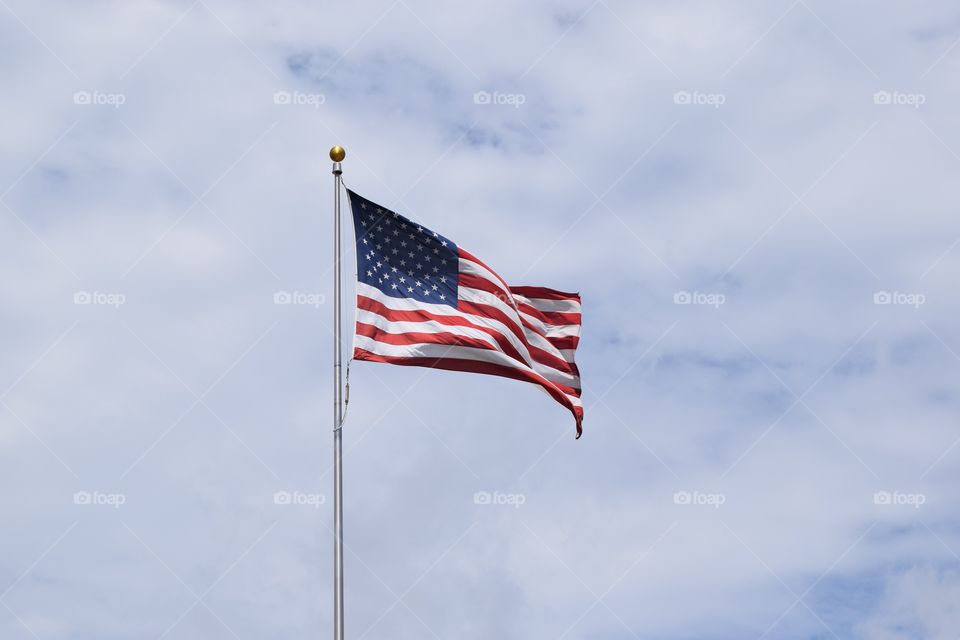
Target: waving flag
[{"x": 424, "y": 301}]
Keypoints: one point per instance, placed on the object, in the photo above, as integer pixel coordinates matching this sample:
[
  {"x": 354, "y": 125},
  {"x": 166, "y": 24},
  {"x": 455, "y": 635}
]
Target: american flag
[{"x": 423, "y": 301}]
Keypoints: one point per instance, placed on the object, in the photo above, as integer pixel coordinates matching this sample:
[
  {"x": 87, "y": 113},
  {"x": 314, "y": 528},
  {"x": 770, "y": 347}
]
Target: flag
[{"x": 424, "y": 301}]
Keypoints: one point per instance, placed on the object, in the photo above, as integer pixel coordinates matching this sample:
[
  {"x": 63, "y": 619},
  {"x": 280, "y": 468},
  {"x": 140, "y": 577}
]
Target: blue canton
[{"x": 402, "y": 258}]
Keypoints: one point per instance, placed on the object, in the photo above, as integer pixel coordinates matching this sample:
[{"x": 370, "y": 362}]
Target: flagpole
[{"x": 337, "y": 154}]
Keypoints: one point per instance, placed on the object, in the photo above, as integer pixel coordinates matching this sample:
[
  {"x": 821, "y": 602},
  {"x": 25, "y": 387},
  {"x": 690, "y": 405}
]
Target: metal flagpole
[{"x": 337, "y": 154}]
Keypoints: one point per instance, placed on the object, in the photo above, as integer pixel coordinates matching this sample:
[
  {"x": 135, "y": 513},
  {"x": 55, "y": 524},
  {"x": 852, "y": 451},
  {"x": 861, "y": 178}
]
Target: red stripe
[
  {"x": 552, "y": 361},
  {"x": 459, "y": 364},
  {"x": 473, "y": 281},
  {"x": 565, "y": 342},
  {"x": 412, "y": 337},
  {"x": 544, "y": 293},
  {"x": 553, "y": 318}
]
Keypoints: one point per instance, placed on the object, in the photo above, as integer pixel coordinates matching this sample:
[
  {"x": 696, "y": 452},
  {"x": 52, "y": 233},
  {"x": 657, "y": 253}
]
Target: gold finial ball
[{"x": 338, "y": 153}]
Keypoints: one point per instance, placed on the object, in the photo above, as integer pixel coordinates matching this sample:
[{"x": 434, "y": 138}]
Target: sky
[{"x": 756, "y": 201}]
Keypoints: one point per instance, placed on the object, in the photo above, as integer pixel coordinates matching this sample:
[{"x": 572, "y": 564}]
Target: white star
[{"x": 417, "y": 284}]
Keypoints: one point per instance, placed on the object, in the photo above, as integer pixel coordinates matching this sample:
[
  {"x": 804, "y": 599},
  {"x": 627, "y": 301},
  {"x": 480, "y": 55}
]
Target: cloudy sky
[{"x": 757, "y": 201}]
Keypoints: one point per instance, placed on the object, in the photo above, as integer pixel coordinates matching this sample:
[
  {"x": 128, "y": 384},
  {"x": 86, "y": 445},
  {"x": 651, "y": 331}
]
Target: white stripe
[
  {"x": 555, "y": 306},
  {"x": 444, "y": 351},
  {"x": 553, "y": 331}
]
